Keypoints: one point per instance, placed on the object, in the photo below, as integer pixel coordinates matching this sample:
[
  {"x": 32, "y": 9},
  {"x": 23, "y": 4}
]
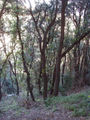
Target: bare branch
[{"x": 3, "y": 7}]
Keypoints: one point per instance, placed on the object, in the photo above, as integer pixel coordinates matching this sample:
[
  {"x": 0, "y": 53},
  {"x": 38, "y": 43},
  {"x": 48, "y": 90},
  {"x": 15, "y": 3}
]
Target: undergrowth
[{"x": 78, "y": 103}]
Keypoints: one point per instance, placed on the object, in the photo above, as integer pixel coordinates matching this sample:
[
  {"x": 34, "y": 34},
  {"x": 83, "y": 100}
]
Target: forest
[{"x": 44, "y": 59}]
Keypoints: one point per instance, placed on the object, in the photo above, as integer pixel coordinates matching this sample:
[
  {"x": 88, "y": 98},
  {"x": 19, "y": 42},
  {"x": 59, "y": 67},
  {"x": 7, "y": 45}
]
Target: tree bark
[
  {"x": 0, "y": 92},
  {"x": 30, "y": 89},
  {"x": 63, "y": 69},
  {"x": 39, "y": 79},
  {"x": 76, "y": 68},
  {"x": 52, "y": 87},
  {"x": 23, "y": 57},
  {"x": 85, "y": 62},
  {"x": 15, "y": 74},
  {"x": 44, "y": 76},
  {"x": 59, "y": 56},
  {"x": 42, "y": 48}
]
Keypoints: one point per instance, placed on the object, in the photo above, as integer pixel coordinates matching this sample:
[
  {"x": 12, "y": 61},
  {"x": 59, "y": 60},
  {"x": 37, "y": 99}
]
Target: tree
[
  {"x": 23, "y": 57},
  {"x": 43, "y": 41},
  {"x": 58, "y": 59}
]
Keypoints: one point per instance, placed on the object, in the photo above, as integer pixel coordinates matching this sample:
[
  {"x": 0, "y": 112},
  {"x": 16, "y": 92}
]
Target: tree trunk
[
  {"x": 0, "y": 92},
  {"x": 17, "y": 86},
  {"x": 63, "y": 69},
  {"x": 39, "y": 79},
  {"x": 30, "y": 89},
  {"x": 23, "y": 57},
  {"x": 85, "y": 64},
  {"x": 77, "y": 65},
  {"x": 59, "y": 56},
  {"x": 75, "y": 68},
  {"x": 44, "y": 76},
  {"x": 52, "y": 87},
  {"x": 15, "y": 74}
]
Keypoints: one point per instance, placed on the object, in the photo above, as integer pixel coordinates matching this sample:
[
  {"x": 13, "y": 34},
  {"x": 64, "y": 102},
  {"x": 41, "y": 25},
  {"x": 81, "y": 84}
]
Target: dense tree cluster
[{"x": 45, "y": 48}]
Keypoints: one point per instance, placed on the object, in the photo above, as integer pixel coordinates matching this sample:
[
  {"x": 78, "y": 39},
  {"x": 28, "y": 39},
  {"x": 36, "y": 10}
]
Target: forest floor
[{"x": 76, "y": 106}]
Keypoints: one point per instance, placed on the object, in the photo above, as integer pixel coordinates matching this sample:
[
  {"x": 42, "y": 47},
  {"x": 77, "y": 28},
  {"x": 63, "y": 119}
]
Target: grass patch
[
  {"x": 78, "y": 103},
  {"x": 8, "y": 104}
]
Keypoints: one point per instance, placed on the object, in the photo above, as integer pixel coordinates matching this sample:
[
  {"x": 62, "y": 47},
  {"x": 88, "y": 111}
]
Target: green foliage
[
  {"x": 8, "y": 104},
  {"x": 80, "y": 112},
  {"x": 11, "y": 103},
  {"x": 62, "y": 90},
  {"x": 68, "y": 80},
  {"x": 7, "y": 87},
  {"x": 79, "y": 103},
  {"x": 48, "y": 102}
]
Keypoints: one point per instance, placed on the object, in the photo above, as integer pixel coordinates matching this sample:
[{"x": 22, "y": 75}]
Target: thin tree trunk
[
  {"x": 11, "y": 78},
  {"x": 44, "y": 76},
  {"x": 15, "y": 74},
  {"x": 16, "y": 79},
  {"x": 23, "y": 57},
  {"x": 85, "y": 65},
  {"x": 0, "y": 92},
  {"x": 17, "y": 86},
  {"x": 30, "y": 89},
  {"x": 76, "y": 76},
  {"x": 77, "y": 65},
  {"x": 63, "y": 69},
  {"x": 70, "y": 63},
  {"x": 39, "y": 79},
  {"x": 52, "y": 87}
]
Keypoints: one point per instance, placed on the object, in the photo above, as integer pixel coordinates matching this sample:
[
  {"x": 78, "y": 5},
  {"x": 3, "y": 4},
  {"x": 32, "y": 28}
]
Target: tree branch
[
  {"x": 1, "y": 12},
  {"x": 76, "y": 42}
]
